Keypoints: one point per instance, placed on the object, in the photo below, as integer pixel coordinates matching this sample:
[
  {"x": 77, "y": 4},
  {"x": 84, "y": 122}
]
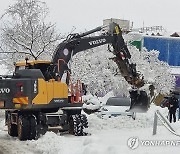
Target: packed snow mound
[
  {"x": 91, "y": 102},
  {"x": 52, "y": 143},
  {"x": 103, "y": 75},
  {"x": 92, "y": 146},
  {"x": 45, "y": 143},
  {"x": 143, "y": 120}
]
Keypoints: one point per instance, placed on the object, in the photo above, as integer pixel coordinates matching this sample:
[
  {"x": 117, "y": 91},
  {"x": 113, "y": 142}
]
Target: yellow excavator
[{"x": 34, "y": 93}]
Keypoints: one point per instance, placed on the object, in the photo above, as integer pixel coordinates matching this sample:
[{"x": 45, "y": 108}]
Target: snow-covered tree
[
  {"x": 94, "y": 68},
  {"x": 154, "y": 71},
  {"x": 100, "y": 73},
  {"x": 24, "y": 31}
]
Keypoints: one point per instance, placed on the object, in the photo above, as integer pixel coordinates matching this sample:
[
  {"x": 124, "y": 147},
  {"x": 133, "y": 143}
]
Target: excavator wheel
[
  {"x": 23, "y": 126},
  {"x": 84, "y": 122},
  {"x": 77, "y": 124},
  {"x": 33, "y": 126},
  {"x": 12, "y": 128},
  {"x": 139, "y": 101}
]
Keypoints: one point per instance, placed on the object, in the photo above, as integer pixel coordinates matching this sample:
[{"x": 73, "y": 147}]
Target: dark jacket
[{"x": 173, "y": 103}]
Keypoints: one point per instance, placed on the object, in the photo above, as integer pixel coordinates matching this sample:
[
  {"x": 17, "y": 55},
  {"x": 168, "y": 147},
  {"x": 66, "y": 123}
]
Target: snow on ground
[{"x": 106, "y": 136}]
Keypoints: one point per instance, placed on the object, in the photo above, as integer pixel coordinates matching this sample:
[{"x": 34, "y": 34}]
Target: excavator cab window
[
  {"x": 42, "y": 66},
  {"x": 23, "y": 67},
  {"x": 20, "y": 68}
]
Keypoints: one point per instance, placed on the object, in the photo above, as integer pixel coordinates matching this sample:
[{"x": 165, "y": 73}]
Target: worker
[{"x": 172, "y": 106}]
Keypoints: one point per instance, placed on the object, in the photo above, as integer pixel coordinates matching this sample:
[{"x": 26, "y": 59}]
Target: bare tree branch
[{"x": 24, "y": 30}]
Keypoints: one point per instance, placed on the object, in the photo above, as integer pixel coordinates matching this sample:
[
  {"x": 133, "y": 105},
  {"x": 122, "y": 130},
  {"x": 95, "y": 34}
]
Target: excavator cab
[
  {"x": 42, "y": 65},
  {"x": 35, "y": 64}
]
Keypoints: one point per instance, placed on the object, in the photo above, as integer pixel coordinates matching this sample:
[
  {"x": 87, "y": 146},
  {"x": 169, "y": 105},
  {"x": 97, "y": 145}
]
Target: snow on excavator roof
[{"x": 32, "y": 62}]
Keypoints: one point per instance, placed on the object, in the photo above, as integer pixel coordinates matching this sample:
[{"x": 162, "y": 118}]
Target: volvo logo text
[
  {"x": 97, "y": 41},
  {"x": 4, "y": 90}
]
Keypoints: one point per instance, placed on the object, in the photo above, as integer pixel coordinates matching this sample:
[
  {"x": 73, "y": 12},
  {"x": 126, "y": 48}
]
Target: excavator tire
[
  {"x": 84, "y": 122},
  {"x": 33, "y": 130},
  {"x": 12, "y": 128},
  {"x": 76, "y": 125},
  {"x": 23, "y": 126},
  {"x": 139, "y": 101}
]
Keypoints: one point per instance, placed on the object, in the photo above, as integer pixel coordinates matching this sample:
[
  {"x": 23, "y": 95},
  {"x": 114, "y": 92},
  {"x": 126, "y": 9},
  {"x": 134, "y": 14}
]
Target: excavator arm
[{"x": 79, "y": 42}]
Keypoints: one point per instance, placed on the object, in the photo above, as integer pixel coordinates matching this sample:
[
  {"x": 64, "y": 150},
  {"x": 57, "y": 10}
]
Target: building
[
  {"x": 169, "y": 48},
  {"x": 176, "y": 72},
  {"x": 124, "y": 24},
  {"x": 169, "y": 51}
]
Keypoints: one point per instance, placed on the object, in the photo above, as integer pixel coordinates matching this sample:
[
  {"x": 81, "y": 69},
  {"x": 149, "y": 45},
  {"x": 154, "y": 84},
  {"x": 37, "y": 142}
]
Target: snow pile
[
  {"x": 91, "y": 103},
  {"x": 68, "y": 144},
  {"x": 92, "y": 146},
  {"x": 47, "y": 144},
  {"x": 143, "y": 120},
  {"x": 99, "y": 71},
  {"x": 102, "y": 75},
  {"x": 154, "y": 71}
]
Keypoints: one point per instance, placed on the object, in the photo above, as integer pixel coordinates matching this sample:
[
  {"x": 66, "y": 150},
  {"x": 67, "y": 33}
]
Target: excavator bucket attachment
[{"x": 139, "y": 101}]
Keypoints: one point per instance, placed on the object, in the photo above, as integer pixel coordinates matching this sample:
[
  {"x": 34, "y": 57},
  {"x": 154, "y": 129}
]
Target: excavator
[{"x": 33, "y": 96}]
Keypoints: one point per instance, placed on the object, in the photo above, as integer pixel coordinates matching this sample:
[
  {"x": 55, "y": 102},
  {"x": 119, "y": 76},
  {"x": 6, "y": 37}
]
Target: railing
[{"x": 164, "y": 121}]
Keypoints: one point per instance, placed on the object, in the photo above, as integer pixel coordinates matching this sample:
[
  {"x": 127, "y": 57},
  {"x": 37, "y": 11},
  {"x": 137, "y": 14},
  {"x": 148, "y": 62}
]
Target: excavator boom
[{"x": 113, "y": 36}]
